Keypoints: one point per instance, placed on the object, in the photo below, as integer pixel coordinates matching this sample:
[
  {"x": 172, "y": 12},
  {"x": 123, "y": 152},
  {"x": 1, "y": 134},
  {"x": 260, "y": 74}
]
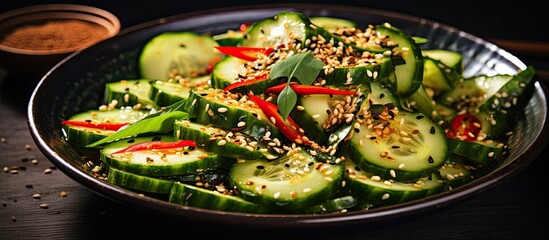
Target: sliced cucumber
[
  {"x": 420, "y": 101},
  {"x": 483, "y": 152},
  {"x": 330, "y": 23},
  {"x": 381, "y": 192},
  {"x": 165, "y": 93},
  {"x": 229, "y": 38},
  {"x": 473, "y": 92},
  {"x": 380, "y": 94},
  {"x": 451, "y": 59},
  {"x": 409, "y": 75},
  {"x": 380, "y": 70},
  {"x": 513, "y": 94},
  {"x": 228, "y": 71},
  {"x": 289, "y": 183},
  {"x": 438, "y": 76},
  {"x": 138, "y": 182},
  {"x": 129, "y": 93},
  {"x": 171, "y": 54},
  {"x": 231, "y": 112},
  {"x": 279, "y": 29},
  {"x": 405, "y": 147},
  {"x": 83, "y": 136},
  {"x": 311, "y": 114},
  {"x": 167, "y": 162},
  {"x": 456, "y": 172},
  {"x": 221, "y": 142},
  {"x": 192, "y": 196}
]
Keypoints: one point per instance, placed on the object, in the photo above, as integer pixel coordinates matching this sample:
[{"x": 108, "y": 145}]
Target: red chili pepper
[
  {"x": 212, "y": 63},
  {"x": 271, "y": 111},
  {"x": 300, "y": 89},
  {"x": 99, "y": 125},
  {"x": 243, "y": 27},
  {"x": 245, "y": 53},
  {"x": 465, "y": 127},
  {"x": 243, "y": 82},
  {"x": 156, "y": 145}
]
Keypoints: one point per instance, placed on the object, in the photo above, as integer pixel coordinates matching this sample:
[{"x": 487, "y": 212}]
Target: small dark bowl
[{"x": 77, "y": 84}]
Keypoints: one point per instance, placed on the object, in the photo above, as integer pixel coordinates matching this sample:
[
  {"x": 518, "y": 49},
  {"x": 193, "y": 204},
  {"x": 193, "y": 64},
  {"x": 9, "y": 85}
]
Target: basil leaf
[
  {"x": 161, "y": 122},
  {"x": 286, "y": 101},
  {"x": 302, "y": 66}
]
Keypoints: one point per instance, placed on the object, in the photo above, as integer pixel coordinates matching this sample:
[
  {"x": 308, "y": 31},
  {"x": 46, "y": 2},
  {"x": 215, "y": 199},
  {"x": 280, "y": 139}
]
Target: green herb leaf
[
  {"x": 161, "y": 122},
  {"x": 302, "y": 66},
  {"x": 286, "y": 101}
]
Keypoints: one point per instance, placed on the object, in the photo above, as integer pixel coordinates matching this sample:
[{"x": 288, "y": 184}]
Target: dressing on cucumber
[{"x": 410, "y": 126}]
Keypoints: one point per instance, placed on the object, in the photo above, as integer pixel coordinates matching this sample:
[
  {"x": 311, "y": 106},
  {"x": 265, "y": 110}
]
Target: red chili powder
[{"x": 54, "y": 34}]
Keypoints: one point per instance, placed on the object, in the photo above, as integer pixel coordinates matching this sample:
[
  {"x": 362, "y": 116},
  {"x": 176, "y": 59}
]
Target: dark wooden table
[{"x": 40, "y": 202}]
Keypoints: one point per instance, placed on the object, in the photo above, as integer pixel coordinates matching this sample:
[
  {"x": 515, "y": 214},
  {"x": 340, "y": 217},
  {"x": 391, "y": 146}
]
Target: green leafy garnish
[
  {"x": 302, "y": 66},
  {"x": 159, "y": 122}
]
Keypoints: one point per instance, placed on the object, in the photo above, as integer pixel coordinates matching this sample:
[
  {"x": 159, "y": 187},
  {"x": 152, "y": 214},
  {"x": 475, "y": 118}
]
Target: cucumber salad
[{"x": 299, "y": 114}]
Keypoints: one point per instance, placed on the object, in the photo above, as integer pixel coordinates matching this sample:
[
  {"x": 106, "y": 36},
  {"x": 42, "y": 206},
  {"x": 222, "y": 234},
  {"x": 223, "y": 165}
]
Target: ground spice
[{"x": 54, "y": 34}]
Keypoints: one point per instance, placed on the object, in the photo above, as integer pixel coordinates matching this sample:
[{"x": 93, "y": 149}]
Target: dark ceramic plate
[{"x": 77, "y": 83}]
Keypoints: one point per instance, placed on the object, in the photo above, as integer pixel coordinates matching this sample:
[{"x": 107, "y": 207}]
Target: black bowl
[{"x": 76, "y": 84}]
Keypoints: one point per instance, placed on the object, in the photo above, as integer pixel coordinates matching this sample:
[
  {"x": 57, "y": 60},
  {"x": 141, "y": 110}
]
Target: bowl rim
[
  {"x": 31, "y": 13},
  {"x": 286, "y": 220}
]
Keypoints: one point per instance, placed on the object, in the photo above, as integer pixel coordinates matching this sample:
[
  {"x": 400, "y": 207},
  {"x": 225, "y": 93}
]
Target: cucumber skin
[
  {"x": 201, "y": 138},
  {"x": 417, "y": 61},
  {"x": 359, "y": 74},
  {"x": 290, "y": 205},
  {"x": 138, "y": 182},
  {"x": 213, "y": 161},
  {"x": 81, "y": 137},
  {"x": 255, "y": 128},
  {"x": 192, "y": 196},
  {"x": 476, "y": 152},
  {"x": 374, "y": 195}
]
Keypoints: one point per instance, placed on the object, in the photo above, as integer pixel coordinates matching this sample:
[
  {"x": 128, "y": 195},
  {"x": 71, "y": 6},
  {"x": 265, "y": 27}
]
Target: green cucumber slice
[
  {"x": 160, "y": 163},
  {"x": 221, "y": 142},
  {"x": 409, "y": 76},
  {"x": 171, "y": 54},
  {"x": 484, "y": 152},
  {"x": 448, "y": 58},
  {"x": 382, "y": 192},
  {"x": 129, "y": 93},
  {"x": 231, "y": 112},
  {"x": 336, "y": 205},
  {"x": 290, "y": 183},
  {"x": 165, "y": 93},
  {"x": 332, "y": 23},
  {"x": 192, "y": 196},
  {"x": 382, "y": 69},
  {"x": 279, "y": 29},
  {"x": 228, "y": 71},
  {"x": 412, "y": 147},
  {"x": 456, "y": 172},
  {"x": 138, "y": 182},
  {"x": 229, "y": 38},
  {"x": 83, "y": 136}
]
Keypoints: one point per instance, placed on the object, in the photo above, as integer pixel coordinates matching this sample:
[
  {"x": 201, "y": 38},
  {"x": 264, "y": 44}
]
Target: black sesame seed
[
  {"x": 156, "y": 138},
  {"x": 395, "y": 147},
  {"x": 131, "y": 141},
  {"x": 357, "y": 168},
  {"x": 382, "y": 95},
  {"x": 287, "y": 165},
  {"x": 420, "y": 117},
  {"x": 357, "y": 130},
  {"x": 260, "y": 167},
  {"x": 431, "y": 160},
  {"x": 373, "y": 138},
  {"x": 185, "y": 153},
  {"x": 433, "y": 130},
  {"x": 28, "y": 186},
  {"x": 310, "y": 163}
]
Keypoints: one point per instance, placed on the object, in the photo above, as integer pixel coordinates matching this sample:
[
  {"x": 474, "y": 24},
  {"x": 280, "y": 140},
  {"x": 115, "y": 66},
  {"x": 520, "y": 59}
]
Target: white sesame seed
[
  {"x": 222, "y": 109},
  {"x": 241, "y": 124},
  {"x": 221, "y": 142},
  {"x": 385, "y": 196}
]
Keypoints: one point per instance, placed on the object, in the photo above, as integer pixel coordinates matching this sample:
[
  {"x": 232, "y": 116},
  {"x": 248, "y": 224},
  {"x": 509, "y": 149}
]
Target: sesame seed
[
  {"x": 222, "y": 110},
  {"x": 393, "y": 173},
  {"x": 300, "y": 108},
  {"x": 222, "y": 142},
  {"x": 273, "y": 120},
  {"x": 44, "y": 206},
  {"x": 376, "y": 178},
  {"x": 306, "y": 190},
  {"x": 385, "y": 196},
  {"x": 450, "y": 176},
  {"x": 401, "y": 166},
  {"x": 276, "y": 195},
  {"x": 241, "y": 124},
  {"x": 491, "y": 154}
]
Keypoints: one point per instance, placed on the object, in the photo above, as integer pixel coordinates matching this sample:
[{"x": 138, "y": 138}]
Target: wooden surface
[{"x": 511, "y": 210}]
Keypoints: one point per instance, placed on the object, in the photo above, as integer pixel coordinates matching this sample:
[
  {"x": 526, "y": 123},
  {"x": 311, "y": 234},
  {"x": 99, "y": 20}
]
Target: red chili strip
[
  {"x": 300, "y": 89},
  {"x": 245, "y": 53},
  {"x": 243, "y": 82},
  {"x": 156, "y": 145},
  {"x": 271, "y": 111},
  {"x": 464, "y": 127},
  {"x": 99, "y": 125}
]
